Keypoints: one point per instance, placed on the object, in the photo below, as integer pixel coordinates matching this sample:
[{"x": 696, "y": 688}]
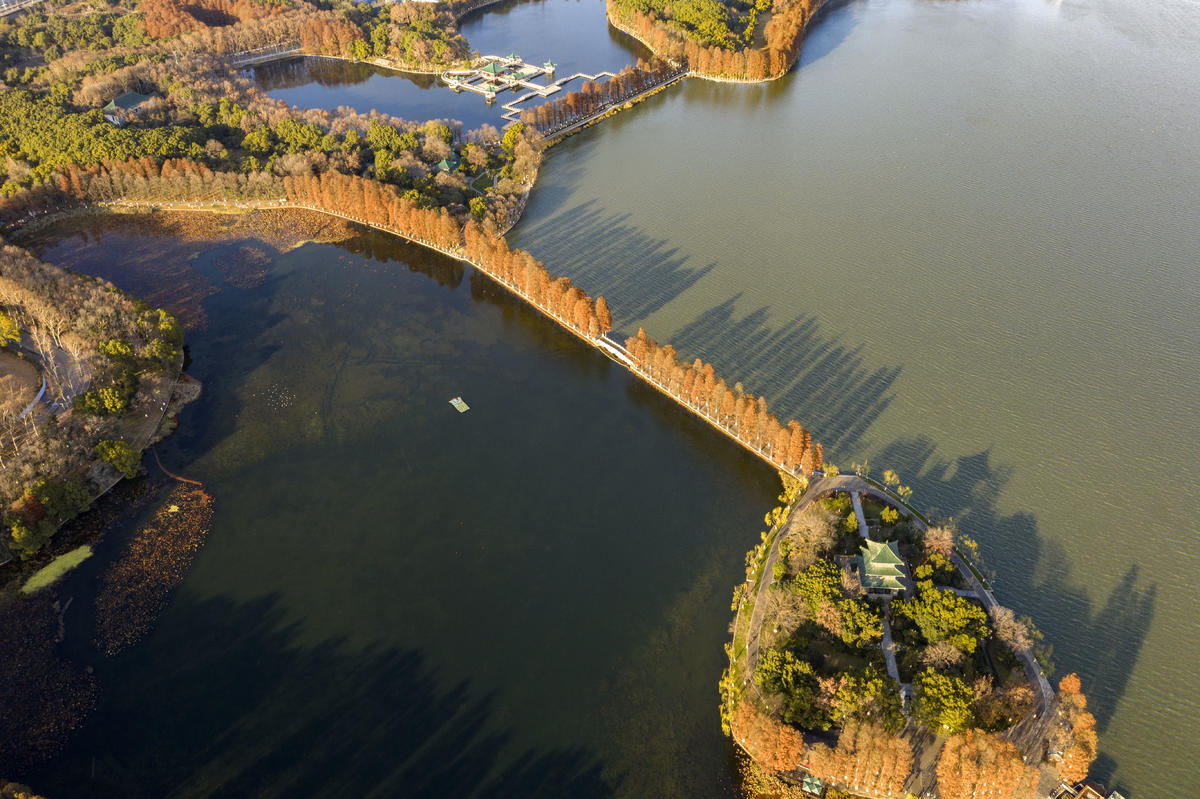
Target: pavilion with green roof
[
  {"x": 448, "y": 164},
  {"x": 881, "y": 569},
  {"x": 130, "y": 101},
  {"x": 493, "y": 69}
]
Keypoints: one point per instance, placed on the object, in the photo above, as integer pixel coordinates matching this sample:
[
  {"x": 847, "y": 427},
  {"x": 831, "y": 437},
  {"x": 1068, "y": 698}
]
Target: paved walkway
[
  {"x": 817, "y": 488},
  {"x": 858, "y": 514},
  {"x": 889, "y": 650},
  {"x": 855, "y": 485}
]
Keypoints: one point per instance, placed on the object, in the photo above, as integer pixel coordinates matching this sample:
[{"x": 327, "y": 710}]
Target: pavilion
[{"x": 881, "y": 569}]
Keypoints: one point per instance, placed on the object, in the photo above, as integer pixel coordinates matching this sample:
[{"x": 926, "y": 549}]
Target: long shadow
[
  {"x": 226, "y": 700},
  {"x": 594, "y": 247},
  {"x": 1099, "y": 638},
  {"x": 826, "y": 385},
  {"x": 830, "y": 27}
]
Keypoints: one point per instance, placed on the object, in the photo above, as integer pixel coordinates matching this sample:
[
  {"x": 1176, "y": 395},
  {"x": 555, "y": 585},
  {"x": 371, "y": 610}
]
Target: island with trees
[
  {"x": 104, "y": 367},
  {"x": 870, "y": 658}
]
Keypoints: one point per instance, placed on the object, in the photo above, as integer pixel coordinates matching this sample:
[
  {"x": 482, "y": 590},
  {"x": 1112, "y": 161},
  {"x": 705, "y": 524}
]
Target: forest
[
  {"x": 699, "y": 33},
  {"x": 821, "y": 671},
  {"x": 60, "y": 39},
  {"x": 106, "y": 359}
]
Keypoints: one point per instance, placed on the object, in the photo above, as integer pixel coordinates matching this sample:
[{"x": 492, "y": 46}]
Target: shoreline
[
  {"x": 282, "y": 204},
  {"x": 691, "y": 73}
]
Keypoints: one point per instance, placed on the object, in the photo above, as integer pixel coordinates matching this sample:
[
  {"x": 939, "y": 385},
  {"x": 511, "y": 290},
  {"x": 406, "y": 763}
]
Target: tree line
[
  {"x": 695, "y": 385},
  {"x": 654, "y": 24},
  {"x": 744, "y": 416},
  {"x": 595, "y": 97}
]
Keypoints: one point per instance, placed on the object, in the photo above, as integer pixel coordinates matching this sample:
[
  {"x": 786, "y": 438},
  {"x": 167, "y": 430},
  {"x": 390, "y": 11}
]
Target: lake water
[
  {"x": 959, "y": 240},
  {"x": 573, "y": 35},
  {"x": 527, "y": 599}
]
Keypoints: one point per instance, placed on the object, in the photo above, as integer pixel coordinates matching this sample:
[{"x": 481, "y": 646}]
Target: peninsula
[{"x": 869, "y": 655}]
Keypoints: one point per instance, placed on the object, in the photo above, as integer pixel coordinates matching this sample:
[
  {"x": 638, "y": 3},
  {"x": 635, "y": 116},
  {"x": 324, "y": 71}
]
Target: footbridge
[
  {"x": 271, "y": 52},
  {"x": 511, "y": 73},
  {"x": 8, "y": 7}
]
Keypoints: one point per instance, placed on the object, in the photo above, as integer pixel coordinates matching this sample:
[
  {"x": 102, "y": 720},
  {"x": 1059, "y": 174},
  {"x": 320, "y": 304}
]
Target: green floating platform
[{"x": 459, "y": 405}]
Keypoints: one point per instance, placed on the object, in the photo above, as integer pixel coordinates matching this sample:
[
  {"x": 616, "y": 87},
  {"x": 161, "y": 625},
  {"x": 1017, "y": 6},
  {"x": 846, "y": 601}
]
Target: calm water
[
  {"x": 571, "y": 33},
  {"x": 960, "y": 240},
  {"x": 528, "y": 599}
]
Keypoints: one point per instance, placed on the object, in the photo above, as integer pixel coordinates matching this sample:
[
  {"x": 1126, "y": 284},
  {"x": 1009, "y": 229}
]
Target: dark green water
[{"x": 528, "y": 599}]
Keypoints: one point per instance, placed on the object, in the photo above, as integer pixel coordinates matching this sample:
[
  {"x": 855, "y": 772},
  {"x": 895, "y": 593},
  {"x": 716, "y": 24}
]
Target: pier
[{"x": 511, "y": 73}]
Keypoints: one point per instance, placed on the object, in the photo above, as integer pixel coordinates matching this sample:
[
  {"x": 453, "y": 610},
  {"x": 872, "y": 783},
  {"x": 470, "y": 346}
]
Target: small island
[{"x": 870, "y": 658}]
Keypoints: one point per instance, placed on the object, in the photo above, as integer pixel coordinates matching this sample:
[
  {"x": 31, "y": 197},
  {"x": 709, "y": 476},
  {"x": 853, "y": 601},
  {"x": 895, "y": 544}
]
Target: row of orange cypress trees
[
  {"x": 177, "y": 181},
  {"x": 783, "y": 34}
]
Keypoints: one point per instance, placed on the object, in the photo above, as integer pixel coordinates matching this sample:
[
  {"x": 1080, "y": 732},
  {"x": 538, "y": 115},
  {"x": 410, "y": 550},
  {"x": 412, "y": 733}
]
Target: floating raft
[{"x": 459, "y": 405}]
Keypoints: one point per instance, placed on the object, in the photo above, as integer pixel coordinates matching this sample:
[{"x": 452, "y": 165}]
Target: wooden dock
[{"x": 510, "y": 73}]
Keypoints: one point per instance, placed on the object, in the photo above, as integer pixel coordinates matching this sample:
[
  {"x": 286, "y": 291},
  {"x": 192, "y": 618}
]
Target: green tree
[
  {"x": 102, "y": 402},
  {"x": 869, "y": 695},
  {"x": 945, "y": 616},
  {"x": 818, "y": 584},
  {"x": 9, "y": 330},
  {"x": 508, "y": 143},
  {"x": 780, "y": 672},
  {"x": 128, "y": 31},
  {"x": 943, "y": 702},
  {"x": 379, "y": 39},
  {"x": 116, "y": 349},
  {"x": 862, "y": 624},
  {"x": 260, "y": 140},
  {"x": 478, "y": 207},
  {"x": 124, "y": 457}
]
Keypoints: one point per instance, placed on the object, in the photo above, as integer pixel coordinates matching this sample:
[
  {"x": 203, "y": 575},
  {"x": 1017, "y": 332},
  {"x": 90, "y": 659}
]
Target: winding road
[{"x": 854, "y": 485}]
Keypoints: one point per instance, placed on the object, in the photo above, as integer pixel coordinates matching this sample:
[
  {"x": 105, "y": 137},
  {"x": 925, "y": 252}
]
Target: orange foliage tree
[
  {"x": 867, "y": 757},
  {"x": 774, "y": 745},
  {"x": 1080, "y": 742},
  {"x": 980, "y": 764}
]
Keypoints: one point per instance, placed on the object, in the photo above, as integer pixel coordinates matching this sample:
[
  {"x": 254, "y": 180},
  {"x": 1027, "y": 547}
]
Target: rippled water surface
[{"x": 960, "y": 240}]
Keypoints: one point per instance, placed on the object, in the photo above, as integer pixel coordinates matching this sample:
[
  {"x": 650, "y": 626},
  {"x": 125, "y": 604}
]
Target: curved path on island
[{"x": 855, "y": 485}]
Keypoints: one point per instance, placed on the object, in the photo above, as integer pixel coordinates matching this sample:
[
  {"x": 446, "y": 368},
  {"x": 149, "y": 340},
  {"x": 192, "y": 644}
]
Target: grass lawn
[
  {"x": 872, "y": 509},
  {"x": 833, "y": 657},
  {"x": 483, "y": 182}
]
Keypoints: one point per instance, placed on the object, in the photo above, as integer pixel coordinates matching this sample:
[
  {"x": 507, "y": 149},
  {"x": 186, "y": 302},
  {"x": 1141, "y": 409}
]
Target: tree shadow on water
[
  {"x": 640, "y": 274},
  {"x": 223, "y": 699},
  {"x": 825, "y": 385},
  {"x": 1100, "y": 639}
]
